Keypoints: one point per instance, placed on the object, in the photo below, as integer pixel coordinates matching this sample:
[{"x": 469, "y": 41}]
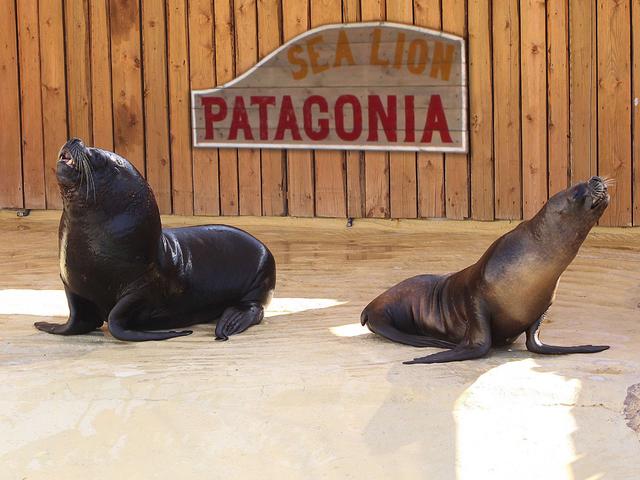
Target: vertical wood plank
[
  {"x": 506, "y": 107},
  {"x": 480, "y": 110},
  {"x": 31, "y": 104},
  {"x": 428, "y": 13},
  {"x": 635, "y": 29},
  {"x": 558, "y": 88},
  {"x": 273, "y": 163},
  {"x": 534, "y": 106},
  {"x": 206, "y": 194},
  {"x": 582, "y": 87},
  {"x": 10, "y": 159},
  {"x": 354, "y": 159},
  {"x": 54, "y": 96},
  {"x": 225, "y": 70},
  {"x": 456, "y": 164},
  {"x": 78, "y": 65},
  {"x": 101, "y": 100},
  {"x": 126, "y": 80},
  {"x": 403, "y": 183},
  {"x": 249, "y": 169},
  {"x": 156, "y": 102},
  {"x": 300, "y": 163},
  {"x": 330, "y": 171},
  {"x": 614, "y": 114},
  {"x": 376, "y": 163},
  {"x": 179, "y": 109}
]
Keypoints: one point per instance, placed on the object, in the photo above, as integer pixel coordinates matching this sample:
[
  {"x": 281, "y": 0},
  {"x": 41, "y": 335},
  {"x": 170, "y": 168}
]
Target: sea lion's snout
[
  {"x": 599, "y": 191},
  {"x": 72, "y": 166}
]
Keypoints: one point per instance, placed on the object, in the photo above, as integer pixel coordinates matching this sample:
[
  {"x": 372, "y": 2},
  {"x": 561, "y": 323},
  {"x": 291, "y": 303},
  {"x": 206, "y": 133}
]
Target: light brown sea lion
[{"x": 502, "y": 295}]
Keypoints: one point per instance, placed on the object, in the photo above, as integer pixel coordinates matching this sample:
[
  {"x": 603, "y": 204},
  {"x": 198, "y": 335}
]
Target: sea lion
[
  {"x": 119, "y": 265},
  {"x": 504, "y": 294}
]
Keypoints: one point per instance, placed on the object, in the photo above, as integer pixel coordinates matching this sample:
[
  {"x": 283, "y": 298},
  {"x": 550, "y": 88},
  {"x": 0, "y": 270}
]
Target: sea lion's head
[
  {"x": 571, "y": 213},
  {"x": 92, "y": 176}
]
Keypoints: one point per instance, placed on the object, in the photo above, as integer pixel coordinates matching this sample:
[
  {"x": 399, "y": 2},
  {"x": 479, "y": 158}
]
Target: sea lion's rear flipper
[
  {"x": 84, "y": 317},
  {"x": 237, "y": 319},
  {"x": 119, "y": 323},
  {"x": 535, "y": 345},
  {"x": 382, "y": 325}
]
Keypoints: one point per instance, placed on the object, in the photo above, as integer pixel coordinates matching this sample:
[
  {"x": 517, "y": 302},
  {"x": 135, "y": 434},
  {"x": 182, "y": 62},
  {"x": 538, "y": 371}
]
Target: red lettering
[
  {"x": 409, "y": 121},
  {"x": 263, "y": 103},
  {"x": 357, "y": 117},
  {"x": 323, "y": 123},
  {"x": 436, "y": 120},
  {"x": 240, "y": 121},
  {"x": 388, "y": 119},
  {"x": 287, "y": 120},
  {"x": 209, "y": 116}
]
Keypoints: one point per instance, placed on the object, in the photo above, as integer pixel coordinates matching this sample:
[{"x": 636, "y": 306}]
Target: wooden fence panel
[
  {"x": 549, "y": 104},
  {"x": 480, "y": 110},
  {"x": 101, "y": 99},
  {"x": 614, "y": 114},
  {"x": 249, "y": 169},
  {"x": 54, "y": 92},
  {"x": 534, "y": 106},
  {"x": 506, "y": 108},
  {"x": 430, "y": 166},
  {"x": 10, "y": 154},
  {"x": 156, "y": 101},
  {"x": 274, "y": 179},
  {"x": 582, "y": 89},
  {"x": 330, "y": 168},
  {"x": 300, "y": 163},
  {"x": 78, "y": 70},
  {"x": 126, "y": 80},
  {"x": 202, "y": 68},
  {"x": 376, "y": 163},
  {"x": 225, "y": 71},
  {"x": 456, "y": 164},
  {"x": 31, "y": 104},
  {"x": 558, "y": 95},
  {"x": 403, "y": 182},
  {"x": 354, "y": 159}
]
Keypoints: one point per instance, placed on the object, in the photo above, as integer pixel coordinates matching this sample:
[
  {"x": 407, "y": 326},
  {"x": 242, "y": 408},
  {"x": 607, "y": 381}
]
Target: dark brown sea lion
[
  {"x": 118, "y": 265},
  {"x": 504, "y": 294}
]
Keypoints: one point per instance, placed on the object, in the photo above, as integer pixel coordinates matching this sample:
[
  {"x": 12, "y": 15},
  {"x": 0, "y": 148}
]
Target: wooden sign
[{"x": 369, "y": 86}]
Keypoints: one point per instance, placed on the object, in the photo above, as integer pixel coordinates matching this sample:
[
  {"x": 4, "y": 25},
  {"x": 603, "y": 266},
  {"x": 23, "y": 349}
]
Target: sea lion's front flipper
[
  {"x": 534, "y": 344},
  {"x": 475, "y": 344},
  {"x": 238, "y": 319},
  {"x": 84, "y": 317},
  {"x": 121, "y": 315}
]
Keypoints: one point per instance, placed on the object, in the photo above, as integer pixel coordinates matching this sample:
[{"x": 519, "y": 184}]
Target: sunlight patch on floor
[
  {"x": 53, "y": 303},
  {"x": 287, "y": 306},
  {"x": 349, "y": 330},
  {"x": 40, "y": 303},
  {"x": 510, "y": 412}
]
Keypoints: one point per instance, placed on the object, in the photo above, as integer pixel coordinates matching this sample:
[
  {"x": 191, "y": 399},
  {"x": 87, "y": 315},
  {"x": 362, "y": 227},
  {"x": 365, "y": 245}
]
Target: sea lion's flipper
[
  {"x": 237, "y": 319},
  {"x": 119, "y": 319},
  {"x": 475, "y": 344},
  {"x": 84, "y": 317},
  {"x": 456, "y": 355},
  {"x": 534, "y": 344},
  {"x": 383, "y": 326}
]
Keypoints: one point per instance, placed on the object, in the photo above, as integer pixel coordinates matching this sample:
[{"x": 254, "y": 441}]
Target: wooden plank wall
[{"x": 553, "y": 99}]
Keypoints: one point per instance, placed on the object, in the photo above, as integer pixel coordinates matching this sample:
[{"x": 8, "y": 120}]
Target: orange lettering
[
  {"x": 293, "y": 60},
  {"x": 375, "y": 50},
  {"x": 343, "y": 50},
  {"x": 314, "y": 56},
  {"x": 441, "y": 64}
]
